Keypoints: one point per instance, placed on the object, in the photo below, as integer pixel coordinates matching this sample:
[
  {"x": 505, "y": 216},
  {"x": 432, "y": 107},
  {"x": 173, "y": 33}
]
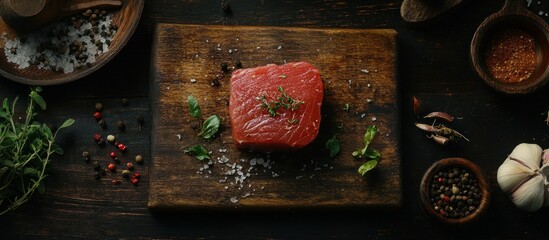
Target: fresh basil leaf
[
  {"x": 372, "y": 154},
  {"x": 38, "y": 99},
  {"x": 210, "y": 127},
  {"x": 67, "y": 123},
  {"x": 193, "y": 105},
  {"x": 333, "y": 145},
  {"x": 367, "y": 166},
  {"x": 199, "y": 152},
  {"x": 368, "y": 136}
]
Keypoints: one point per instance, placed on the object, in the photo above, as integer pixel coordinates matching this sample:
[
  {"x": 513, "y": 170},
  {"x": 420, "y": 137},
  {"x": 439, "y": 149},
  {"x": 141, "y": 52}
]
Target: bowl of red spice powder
[
  {"x": 454, "y": 191},
  {"x": 510, "y": 50}
]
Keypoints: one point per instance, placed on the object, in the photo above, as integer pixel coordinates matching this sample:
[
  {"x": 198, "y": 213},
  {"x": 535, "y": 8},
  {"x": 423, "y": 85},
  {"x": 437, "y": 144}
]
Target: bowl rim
[
  {"x": 75, "y": 76},
  {"x": 451, "y": 162}
]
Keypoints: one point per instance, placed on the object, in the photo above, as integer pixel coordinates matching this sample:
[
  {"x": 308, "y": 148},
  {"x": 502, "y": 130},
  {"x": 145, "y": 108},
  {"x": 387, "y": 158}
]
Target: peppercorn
[
  {"x": 102, "y": 123},
  {"x": 112, "y": 155},
  {"x": 121, "y": 147},
  {"x": 111, "y": 138},
  {"x": 115, "y": 181},
  {"x": 139, "y": 159},
  {"x": 454, "y": 193},
  {"x": 136, "y": 175},
  {"x": 121, "y": 125},
  {"x": 129, "y": 166},
  {"x": 111, "y": 167},
  {"x": 100, "y": 142},
  {"x": 116, "y": 160},
  {"x": 97, "y": 137},
  {"x": 98, "y": 107},
  {"x": 126, "y": 173},
  {"x": 215, "y": 82},
  {"x": 97, "y": 116},
  {"x": 134, "y": 181},
  {"x": 124, "y": 102},
  {"x": 96, "y": 165},
  {"x": 224, "y": 67},
  {"x": 86, "y": 155},
  {"x": 238, "y": 64}
]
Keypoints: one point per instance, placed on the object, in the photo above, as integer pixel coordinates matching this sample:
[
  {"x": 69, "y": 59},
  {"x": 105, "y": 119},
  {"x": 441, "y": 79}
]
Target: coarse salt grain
[{"x": 62, "y": 46}]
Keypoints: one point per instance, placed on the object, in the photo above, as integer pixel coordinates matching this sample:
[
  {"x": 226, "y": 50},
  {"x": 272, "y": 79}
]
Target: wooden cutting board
[{"x": 358, "y": 68}]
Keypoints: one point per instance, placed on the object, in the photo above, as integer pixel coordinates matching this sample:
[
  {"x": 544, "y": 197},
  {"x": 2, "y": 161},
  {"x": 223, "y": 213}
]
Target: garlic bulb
[{"x": 521, "y": 177}]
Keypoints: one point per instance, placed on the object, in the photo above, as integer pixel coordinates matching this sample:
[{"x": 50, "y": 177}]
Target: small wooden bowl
[
  {"x": 513, "y": 15},
  {"x": 126, "y": 18},
  {"x": 461, "y": 163}
]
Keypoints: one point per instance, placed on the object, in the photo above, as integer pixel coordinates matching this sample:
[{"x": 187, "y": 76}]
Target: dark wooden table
[{"x": 434, "y": 66}]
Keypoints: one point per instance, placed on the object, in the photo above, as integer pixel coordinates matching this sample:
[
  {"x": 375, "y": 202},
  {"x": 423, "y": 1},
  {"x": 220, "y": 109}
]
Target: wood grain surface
[{"x": 358, "y": 67}]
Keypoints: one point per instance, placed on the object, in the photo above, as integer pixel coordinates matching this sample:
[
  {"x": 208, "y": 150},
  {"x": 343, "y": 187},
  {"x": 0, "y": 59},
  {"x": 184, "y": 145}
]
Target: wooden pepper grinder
[{"x": 27, "y": 15}]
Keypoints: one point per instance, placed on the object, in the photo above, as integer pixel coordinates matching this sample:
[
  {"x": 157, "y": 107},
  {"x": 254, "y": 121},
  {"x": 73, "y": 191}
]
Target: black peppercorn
[
  {"x": 238, "y": 64},
  {"x": 102, "y": 123},
  {"x": 224, "y": 67},
  {"x": 121, "y": 125},
  {"x": 454, "y": 193},
  {"x": 215, "y": 82},
  {"x": 96, "y": 165}
]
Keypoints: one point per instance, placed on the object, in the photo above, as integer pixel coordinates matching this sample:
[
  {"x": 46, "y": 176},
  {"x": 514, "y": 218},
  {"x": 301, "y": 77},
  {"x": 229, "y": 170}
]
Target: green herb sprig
[
  {"x": 368, "y": 153},
  {"x": 26, "y": 149},
  {"x": 333, "y": 146},
  {"x": 194, "y": 107},
  {"x": 283, "y": 102},
  {"x": 211, "y": 126},
  {"x": 199, "y": 152}
]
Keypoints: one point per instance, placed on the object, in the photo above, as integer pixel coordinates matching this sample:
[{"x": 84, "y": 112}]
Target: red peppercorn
[
  {"x": 115, "y": 181},
  {"x": 111, "y": 167},
  {"x": 134, "y": 180},
  {"x": 136, "y": 175},
  {"x": 121, "y": 147},
  {"x": 439, "y": 179},
  {"x": 112, "y": 155},
  {"x": 97, "y": 137},
  {"x": 129, "y": 166},
  {"x": 97, "y": 116},
  {"x": 446, "y": 198}
]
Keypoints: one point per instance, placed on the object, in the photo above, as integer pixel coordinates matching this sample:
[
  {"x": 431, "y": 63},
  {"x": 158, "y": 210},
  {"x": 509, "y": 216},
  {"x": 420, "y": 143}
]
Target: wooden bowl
[
  {"x": 126, "y": 18},
  {"x": 461, "y": 164},
  {"x": 513, "y": 15},
  {"x": 424, "y": 12}
]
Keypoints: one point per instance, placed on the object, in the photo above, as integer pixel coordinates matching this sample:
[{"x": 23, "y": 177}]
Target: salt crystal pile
[{"x": 63, "y": 46}]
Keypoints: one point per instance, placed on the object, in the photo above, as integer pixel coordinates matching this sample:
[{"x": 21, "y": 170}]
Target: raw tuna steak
[{"x": 274, "y": 107}]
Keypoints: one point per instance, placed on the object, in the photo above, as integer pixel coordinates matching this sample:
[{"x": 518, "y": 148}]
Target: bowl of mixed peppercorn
[{"x": 454, "y": 191}]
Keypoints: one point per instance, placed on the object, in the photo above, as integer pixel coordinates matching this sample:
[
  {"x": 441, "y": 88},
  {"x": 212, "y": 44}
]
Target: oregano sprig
[{"x": 26, "y": 149}]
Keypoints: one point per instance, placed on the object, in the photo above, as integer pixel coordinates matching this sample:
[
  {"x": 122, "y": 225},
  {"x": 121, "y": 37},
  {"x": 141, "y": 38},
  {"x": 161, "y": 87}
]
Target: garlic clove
[
  {"x": 511, "y": 173},
  {"x": 528, "y": 154},
  {"x": 530, "y": 195},
  {"x": 545, "y": 156},
  {"x": 545, "y": 172}
]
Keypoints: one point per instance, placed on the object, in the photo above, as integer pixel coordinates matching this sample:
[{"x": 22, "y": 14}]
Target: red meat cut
[{"x": 275, "y": 108}]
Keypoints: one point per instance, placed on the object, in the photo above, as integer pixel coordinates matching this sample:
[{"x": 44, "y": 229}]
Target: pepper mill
[{"x": 27, "y": 15}]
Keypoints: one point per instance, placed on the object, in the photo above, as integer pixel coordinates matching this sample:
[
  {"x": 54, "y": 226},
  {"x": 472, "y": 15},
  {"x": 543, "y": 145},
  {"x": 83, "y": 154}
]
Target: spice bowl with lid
[
  {"x": 454, "y": 191},
  {"x": 510, "y": 50}
]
